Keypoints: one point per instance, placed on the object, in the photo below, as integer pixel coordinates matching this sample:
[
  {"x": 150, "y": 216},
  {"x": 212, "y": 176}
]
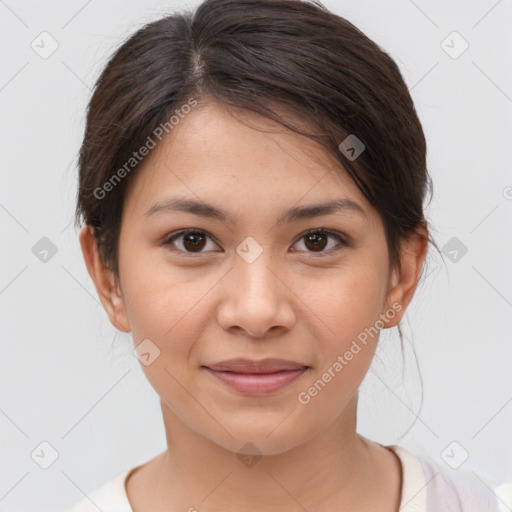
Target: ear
[
  {"x": 403, "y": 283},
  {"x": 109, "y": 291}
]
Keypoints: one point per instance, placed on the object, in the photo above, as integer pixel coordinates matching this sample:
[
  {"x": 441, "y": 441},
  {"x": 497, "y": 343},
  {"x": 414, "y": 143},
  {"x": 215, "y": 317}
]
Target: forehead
[{"x": 241, "y": 161}]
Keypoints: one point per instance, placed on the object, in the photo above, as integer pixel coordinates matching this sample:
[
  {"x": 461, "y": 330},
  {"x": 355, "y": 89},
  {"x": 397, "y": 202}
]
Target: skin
[{"x": 290, "y": 302}]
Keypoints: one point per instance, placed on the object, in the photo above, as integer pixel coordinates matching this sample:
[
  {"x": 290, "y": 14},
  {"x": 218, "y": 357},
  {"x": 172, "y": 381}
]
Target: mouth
[{"x": 256, "y": 378}]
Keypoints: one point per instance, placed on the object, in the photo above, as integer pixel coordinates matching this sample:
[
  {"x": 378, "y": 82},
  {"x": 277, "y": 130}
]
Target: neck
[{"x": 334, "y": 470}]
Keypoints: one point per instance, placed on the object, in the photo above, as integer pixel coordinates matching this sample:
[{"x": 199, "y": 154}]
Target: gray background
[{"x": 68, "y": 379}]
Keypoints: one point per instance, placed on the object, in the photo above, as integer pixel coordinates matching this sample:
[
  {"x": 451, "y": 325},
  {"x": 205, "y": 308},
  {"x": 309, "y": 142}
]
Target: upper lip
[{"x": 270, "y": 365}]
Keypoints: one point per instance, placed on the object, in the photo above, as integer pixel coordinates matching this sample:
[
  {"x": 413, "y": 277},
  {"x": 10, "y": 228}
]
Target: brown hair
[{"x": 255, "y": 54}]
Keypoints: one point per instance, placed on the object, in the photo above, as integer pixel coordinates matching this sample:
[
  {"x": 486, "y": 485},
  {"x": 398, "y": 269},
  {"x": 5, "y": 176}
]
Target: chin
[{"x": 259, "y": 438}]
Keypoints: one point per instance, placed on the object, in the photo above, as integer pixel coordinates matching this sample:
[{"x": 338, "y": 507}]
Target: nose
[{"x": 256, "y": 299}]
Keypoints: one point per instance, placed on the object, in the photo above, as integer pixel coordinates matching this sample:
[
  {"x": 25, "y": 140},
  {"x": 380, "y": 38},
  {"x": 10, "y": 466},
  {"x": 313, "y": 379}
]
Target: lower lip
[{"x": 257, "y": 383}]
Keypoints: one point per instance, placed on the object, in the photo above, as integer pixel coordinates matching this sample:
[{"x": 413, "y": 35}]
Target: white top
[{"x": 426, "y": 487}]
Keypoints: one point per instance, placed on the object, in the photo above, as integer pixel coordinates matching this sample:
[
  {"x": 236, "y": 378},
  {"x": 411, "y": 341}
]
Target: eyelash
[{"x": 343, "y": 242}]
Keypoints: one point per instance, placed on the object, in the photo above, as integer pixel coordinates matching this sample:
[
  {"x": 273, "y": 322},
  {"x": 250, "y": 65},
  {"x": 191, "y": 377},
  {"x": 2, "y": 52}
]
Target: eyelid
[
  {"x": 343, "y": 242},
  {"x": 342, "y": 239},
  {"x": 327, "y": 231},
  {"x": 167, "y": 241}
]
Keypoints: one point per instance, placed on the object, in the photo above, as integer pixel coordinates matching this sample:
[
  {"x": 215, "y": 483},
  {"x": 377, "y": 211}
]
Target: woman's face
[{"x": 251, "y": 285}]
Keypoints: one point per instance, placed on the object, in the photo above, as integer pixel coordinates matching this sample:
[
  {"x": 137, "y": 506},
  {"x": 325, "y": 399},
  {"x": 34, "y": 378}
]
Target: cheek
[
  {"x": 345, "y": 303},
  {"x": 348, "y": 309},
  {"x": 348, "y": 306},
  {"x": 172, "y": 311},
  {"x": 172, "y": 316},
  {"x": 159, "y": 298}
]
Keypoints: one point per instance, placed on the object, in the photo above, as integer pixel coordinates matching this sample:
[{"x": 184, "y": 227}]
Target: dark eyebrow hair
[{"x": 291, "y": 215}]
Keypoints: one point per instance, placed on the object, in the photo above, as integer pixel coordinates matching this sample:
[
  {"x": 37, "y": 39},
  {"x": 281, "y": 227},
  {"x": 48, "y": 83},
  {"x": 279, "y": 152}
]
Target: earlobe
[
  {"x": 403, "y": 282},
  {"x": 104, "y": 280}
]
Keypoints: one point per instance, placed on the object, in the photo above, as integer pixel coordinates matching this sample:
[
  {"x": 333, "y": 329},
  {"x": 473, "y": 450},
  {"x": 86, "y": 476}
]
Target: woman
[{"x": 252, "y": 180}]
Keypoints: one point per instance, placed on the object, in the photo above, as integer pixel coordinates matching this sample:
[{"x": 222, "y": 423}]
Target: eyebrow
[{"x": 294, "y": 214}]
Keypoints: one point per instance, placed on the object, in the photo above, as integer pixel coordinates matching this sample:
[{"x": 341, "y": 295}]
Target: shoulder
[
  {"x": 430, "y": 486},
  {"x": 110, "y": 497},
  {"x": 504, "y": 494}
]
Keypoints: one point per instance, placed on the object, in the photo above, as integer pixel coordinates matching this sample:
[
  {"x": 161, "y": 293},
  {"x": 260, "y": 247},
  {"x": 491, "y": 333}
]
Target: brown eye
[
  {"x": 193, "y": 241},
  {"x": 190, "y": 241},
  {"x": 318, "y": 240}
]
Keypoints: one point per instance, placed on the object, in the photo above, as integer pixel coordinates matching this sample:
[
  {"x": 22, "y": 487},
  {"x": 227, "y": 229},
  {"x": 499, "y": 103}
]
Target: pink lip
[{"x": 257, "y": 377}]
